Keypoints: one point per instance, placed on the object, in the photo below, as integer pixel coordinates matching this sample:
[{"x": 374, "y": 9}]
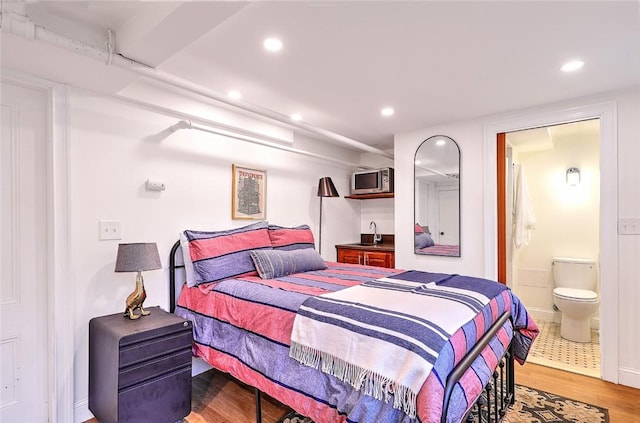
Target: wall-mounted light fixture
[{"x": 573, "y": 176}]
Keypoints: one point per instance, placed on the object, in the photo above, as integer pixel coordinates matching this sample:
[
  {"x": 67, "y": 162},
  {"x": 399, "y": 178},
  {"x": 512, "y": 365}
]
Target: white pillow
[{"x": 188, "y": 264}]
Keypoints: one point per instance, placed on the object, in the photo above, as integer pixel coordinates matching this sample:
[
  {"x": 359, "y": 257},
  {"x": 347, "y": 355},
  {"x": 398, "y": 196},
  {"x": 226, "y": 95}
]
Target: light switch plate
[
  {"x": 110, "y": 229},
  {"x": 629, "y": 226}
]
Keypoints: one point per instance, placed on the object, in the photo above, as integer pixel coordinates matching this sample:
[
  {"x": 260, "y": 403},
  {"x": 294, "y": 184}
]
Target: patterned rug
[{"x": 531, "y": 406}]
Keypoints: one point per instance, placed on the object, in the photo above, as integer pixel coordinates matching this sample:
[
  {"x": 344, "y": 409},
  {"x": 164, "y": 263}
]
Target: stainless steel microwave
[{"x": 372, "y": 181}]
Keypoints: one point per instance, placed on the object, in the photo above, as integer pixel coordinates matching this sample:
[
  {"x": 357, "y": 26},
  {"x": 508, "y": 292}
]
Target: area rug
[{"x": 531, "y": 406}]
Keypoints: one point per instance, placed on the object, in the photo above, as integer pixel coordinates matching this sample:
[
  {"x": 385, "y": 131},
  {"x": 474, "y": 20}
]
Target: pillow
[
  {"x": 225, "y": 254},
  {"x": 186, "y": 259},
  {"x": 423, "y": 240},
  {"x": 276, "y": 263},
  {"x": 294, "y": 238},
  {"x": 419, "y": 229}
]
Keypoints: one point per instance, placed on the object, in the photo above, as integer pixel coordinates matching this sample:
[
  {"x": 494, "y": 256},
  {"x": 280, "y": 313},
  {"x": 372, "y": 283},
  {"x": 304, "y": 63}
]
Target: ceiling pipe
[
  {"x": 183, "y": 124},
  {"x": 23, "y": 26},
  {"x": 190, "y": 117}
]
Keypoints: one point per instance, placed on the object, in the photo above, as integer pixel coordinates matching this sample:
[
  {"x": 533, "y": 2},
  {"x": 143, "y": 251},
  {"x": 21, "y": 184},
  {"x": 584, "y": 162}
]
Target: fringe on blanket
[{"x": 366, "y": 381}]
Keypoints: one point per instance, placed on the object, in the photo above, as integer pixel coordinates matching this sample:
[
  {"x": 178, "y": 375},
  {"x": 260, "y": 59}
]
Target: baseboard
[
  {"x": 629, "y": 377},
  {"x": 198, "y": 365},
  {"x": 545, "y": 315},
  {"x": 81, "y": 411}
]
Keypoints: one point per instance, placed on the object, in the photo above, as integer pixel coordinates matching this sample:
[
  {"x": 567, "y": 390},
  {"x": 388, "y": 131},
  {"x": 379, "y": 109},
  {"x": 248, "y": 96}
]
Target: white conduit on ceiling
[
  {"x": 184, "y": 124},
  {"x": 227, "y": 131},
  {"x": 23, "y": 26}
]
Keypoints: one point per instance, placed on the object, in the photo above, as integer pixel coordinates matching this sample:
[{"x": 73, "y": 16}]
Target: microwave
[{"x": 372, "y": 181}]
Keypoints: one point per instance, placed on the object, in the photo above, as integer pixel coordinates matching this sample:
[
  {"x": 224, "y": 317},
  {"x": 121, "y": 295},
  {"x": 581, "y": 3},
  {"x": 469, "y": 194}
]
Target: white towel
[{"x": 524, "y": 219}]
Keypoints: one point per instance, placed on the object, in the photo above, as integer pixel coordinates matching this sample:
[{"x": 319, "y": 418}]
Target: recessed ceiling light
[
  {"x": 272, "y": 44},
  {"x": 387, "y": 111},
  {"x": 572, "y": 66},
  {"x": 234, "y": 94}
]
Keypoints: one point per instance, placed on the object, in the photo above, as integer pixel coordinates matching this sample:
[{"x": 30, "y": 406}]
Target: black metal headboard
[{"x": 172, "y": 276}]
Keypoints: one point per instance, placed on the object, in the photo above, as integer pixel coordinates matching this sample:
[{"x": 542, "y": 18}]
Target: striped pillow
[
  {"x": 277, "y": 263},
  {"x": 295, "y": 238},
  {"x": 225, "y": 254}
]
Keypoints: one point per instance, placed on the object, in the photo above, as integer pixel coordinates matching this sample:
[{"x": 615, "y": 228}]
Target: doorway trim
[
  {"x": 608, "y": 258},
  {"x": 60, "y": 335}
]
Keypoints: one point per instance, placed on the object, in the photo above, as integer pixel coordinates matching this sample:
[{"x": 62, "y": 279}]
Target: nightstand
[{"x": 140, "y": 370}]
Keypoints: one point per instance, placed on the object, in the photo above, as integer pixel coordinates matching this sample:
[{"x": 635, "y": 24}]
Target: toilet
[{"x": 575, "y": 296}]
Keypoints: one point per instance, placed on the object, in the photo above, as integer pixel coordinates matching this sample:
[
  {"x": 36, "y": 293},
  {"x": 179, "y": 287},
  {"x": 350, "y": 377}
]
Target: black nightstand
[{"x": 140, "y": 370}]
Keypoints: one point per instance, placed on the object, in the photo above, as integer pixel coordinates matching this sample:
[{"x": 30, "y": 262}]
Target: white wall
[
  {"x": 629, "y": 245},
  {"x": 380, "y": 210},
  {"x": 115, "y": 148},
  {"x": 470, "y": 136},
  {"x": 567, "y": 217}
]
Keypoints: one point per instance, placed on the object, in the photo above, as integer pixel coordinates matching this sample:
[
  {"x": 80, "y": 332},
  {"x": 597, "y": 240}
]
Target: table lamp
[{"x": 137, "y": 257}]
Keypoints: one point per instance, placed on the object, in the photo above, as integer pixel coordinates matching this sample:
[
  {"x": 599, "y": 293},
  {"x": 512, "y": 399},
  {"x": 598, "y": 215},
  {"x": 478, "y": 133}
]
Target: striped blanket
[
  {"x": 243, "y": 326},
  {"x": 383, "y": 336}
]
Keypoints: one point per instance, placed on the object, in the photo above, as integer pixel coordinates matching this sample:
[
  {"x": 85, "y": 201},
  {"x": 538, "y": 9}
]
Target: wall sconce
[{"x": 573, "y": 176}]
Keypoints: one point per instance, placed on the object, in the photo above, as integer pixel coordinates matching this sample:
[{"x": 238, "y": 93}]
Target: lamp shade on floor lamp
[{"x": 325, "y": 189}]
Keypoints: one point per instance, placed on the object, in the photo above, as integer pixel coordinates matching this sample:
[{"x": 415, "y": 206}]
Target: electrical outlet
[
  {"x": 110, "y": 229},
  {"x": 629, "y": 226}
]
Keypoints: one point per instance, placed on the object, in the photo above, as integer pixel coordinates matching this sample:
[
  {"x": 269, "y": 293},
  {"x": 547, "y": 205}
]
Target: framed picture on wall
[{"x": 248, "y": 193}]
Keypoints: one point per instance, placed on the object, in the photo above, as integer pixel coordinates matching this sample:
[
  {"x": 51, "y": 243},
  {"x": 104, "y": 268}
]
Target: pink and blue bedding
[
  {"x": 424, "y": 244},
  {"x": 244, "y": 325},
  {"x": 440, "y": 250}
]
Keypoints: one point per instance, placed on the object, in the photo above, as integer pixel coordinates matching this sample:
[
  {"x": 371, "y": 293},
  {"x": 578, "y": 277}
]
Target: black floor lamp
[{"x": 325, "y": 189}]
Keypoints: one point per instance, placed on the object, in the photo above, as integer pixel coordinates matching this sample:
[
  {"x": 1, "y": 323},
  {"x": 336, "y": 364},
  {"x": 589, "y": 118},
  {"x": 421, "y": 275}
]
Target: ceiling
[
  {"x": 433, "y": 62},
  {"x": 539, "y": 139}
]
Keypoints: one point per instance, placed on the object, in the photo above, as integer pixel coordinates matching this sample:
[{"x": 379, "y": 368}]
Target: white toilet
[{"x": 576, "y": 281}]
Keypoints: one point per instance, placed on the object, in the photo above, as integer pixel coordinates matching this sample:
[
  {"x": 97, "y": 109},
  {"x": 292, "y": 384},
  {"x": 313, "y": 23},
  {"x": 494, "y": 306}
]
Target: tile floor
[{"x": 551, "y": 350}]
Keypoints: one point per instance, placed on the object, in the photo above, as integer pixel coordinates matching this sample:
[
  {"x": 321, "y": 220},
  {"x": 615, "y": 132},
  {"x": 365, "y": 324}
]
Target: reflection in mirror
[{"x": 437, "y": 197}]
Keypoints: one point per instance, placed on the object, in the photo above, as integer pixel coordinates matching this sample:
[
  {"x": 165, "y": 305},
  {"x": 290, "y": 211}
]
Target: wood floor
[
  {"x": 622, "y": 402},
  {"x": 219, "y": 399}
]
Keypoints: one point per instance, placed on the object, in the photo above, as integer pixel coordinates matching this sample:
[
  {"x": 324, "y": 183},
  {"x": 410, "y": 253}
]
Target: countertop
[
  {"x": 366, "y": 243},
  {"x": 387, "y": 247}
]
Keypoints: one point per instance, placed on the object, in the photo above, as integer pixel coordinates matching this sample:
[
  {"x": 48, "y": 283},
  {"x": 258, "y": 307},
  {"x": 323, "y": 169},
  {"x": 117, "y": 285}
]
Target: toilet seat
[{"x": 577, "y": 295}]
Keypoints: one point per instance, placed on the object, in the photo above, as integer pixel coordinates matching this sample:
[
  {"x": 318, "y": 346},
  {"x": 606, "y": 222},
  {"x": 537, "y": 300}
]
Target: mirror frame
[{"x": 415, "y": 220}]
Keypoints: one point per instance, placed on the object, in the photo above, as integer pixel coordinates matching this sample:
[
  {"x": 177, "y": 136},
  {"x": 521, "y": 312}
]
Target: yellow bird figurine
[{"x": 136, "y": 299}]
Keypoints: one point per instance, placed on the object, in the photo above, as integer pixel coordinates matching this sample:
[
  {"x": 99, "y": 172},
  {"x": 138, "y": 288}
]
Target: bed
[
  {"x": 425, "y": 244},
  {"x": 244, "y": 324},
  {"x": 440, "y": 250}
]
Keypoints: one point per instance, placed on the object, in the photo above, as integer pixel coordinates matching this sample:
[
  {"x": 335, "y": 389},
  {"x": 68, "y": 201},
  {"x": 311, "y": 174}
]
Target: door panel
[
  {"x": 23, "y": 326},
  {"x": 449, "y": 217}
]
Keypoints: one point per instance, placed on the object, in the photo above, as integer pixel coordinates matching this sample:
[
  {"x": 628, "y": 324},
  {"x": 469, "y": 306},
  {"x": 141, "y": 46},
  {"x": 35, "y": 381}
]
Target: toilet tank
[{"x": 575, "y": 273}]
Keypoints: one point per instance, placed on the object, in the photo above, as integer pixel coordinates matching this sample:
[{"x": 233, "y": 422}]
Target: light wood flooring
[
  {"x": 219, "y": 399},
  {"x": 622, "y": 402}
]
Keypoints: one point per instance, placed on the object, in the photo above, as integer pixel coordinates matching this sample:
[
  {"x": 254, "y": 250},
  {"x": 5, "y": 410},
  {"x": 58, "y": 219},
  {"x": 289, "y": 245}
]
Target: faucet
[{"x": 376, "y": 236}]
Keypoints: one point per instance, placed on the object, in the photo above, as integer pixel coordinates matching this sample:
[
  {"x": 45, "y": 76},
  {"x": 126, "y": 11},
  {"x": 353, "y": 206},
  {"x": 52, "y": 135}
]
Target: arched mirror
[{"x": 437, "y": 197}]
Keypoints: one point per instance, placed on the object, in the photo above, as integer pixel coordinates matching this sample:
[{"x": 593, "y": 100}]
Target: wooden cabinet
[
  {"x": 140, "y": 370},
  {"x": 366, "y": 257}
]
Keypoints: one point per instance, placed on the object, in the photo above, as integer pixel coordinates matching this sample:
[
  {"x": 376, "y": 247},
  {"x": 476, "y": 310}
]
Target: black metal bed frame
[{"x": 490, "y": 407}]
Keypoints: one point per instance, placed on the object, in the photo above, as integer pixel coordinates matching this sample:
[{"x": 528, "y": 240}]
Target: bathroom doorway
[{"x": 552, "y": 206}]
